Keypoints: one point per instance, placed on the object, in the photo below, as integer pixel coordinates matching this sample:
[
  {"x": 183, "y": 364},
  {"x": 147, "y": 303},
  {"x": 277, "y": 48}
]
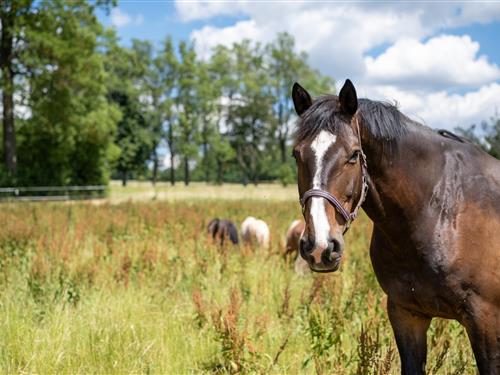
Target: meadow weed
[{"x": 138, "y": 287}]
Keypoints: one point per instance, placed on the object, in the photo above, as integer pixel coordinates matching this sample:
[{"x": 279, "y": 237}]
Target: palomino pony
[
  {"x": 255, "y": 231},
  {"x": 435, "y": 204}
]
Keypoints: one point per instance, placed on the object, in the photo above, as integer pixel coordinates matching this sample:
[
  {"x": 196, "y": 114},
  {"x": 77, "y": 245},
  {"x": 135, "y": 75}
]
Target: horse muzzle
[{"x": 322, "y": 257}]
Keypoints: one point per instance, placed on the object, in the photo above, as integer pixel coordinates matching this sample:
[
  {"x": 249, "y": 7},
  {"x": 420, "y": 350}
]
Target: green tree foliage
[
  {"x": 493, "y": 137},
  {"x": 207, "y": 102},
  {"x": 66, "y": 136},
  {"x": 486, "y": 136},
  {"x": 249, "y": 114},
  {"x": 169, "y": 64},
  {"x": 127, "y": 69},
  {"x": 286, "y": 66},
  {"x": 187, "y": 103},
  {"x": 13, "y": 18},
  {"x": 150, "y": 89},
  {"x": 255, "y": 108},
  {"x": 91, "y": 106},
  {"x": 222, "y": 80},
  {"x": 156, "y": 83},
  {"x": 471, "y": 134},
  {"x": 229, "y": 118}
]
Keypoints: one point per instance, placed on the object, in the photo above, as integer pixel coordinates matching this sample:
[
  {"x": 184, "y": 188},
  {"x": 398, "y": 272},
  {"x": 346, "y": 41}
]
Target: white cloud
[
  {"x": 201, "y": 10},
  {"x": 334, "y": 37},
  {"x": 443, "y": 62},
  {"x": 420, "y": 67},
  {"x": 432, "y": 14},
  {"x": 120, "y": 18},
  {"x": 440, "y": 110},
  {"x": 208, "y": 37},
  {"x": 338, "y": 35}
]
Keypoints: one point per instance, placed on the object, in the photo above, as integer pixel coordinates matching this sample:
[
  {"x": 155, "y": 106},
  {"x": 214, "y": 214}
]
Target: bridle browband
[{"x": 348, "y": 216}]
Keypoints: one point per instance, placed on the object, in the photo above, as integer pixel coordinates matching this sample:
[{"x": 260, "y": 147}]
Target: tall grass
[{"x": 138, "y": 288}]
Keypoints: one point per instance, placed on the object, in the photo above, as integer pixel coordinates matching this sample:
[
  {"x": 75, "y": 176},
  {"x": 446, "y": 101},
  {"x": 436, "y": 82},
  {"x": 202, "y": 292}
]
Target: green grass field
[
  {"x": 144, "y": 191},
  {"x": 136, "y": 287}
]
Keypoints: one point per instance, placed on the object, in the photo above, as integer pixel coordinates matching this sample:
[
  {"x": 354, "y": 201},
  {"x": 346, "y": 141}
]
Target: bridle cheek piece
[{"x": 348, "y": 217}]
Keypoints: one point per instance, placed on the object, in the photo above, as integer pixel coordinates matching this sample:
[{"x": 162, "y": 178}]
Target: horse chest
[{"x": 412, "y": 281}]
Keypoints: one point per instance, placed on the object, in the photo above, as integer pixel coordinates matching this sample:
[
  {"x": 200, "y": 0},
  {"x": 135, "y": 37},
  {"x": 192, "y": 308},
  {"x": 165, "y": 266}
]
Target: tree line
[{"x": 79, "y": 107}]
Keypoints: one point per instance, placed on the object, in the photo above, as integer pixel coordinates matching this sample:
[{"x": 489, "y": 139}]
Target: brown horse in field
[
  {"x": 223, "y": 230},
  {"x": 292, "y": 241},
  {"x": 292, "y": 238},
  {"x": 435, "y": 204}
]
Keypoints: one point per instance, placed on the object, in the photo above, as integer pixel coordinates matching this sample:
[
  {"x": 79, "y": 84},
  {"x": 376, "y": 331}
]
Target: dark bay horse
[
  {"x": 222, "y": 230},
  {"x": 435, "y": 204}
]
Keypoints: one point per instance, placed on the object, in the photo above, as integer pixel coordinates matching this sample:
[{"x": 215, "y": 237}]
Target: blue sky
[{"x": 439, "y": 60}]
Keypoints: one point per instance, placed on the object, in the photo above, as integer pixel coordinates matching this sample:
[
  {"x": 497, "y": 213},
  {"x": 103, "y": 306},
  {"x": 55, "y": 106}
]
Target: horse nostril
[
  {"x": 332, "y": 252},
  {"x": 326, "y": 255},
  {"x": 306, "y": 245},
  {"x": 334, "y": 246}
]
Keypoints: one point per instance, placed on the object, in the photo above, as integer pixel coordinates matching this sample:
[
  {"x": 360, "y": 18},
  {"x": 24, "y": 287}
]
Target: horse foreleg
[
  {"x": 410, "y": 330},
  {"x": 483, "y": 329}
]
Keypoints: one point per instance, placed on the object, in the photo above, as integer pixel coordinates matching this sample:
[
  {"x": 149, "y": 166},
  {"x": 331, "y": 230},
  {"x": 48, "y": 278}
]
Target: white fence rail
[{"x": 52, "y": 193}]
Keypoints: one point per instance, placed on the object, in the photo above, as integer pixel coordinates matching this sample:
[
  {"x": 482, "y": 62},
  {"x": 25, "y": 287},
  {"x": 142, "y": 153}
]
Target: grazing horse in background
[
  {"x": 293, "y": 235},
  {"x": 435, "y": 204},
  {"x": 255, "y": 231},
  {"x": 221, "y": 230}
]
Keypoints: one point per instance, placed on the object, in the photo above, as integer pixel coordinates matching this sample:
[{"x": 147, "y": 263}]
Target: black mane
[{"x": 383, "y": 120}]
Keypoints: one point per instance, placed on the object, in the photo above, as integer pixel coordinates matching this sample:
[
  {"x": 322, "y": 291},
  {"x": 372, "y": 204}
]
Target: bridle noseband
[{"x": 348, "y": 216}]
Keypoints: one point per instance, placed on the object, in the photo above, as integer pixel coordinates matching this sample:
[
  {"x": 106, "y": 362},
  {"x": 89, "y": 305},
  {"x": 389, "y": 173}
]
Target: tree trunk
[
  {"x": 6, "y": 57},
  {"x": 219, "y": 172},
  {"x": 205, "y": 159},
  {"x": 124, "y": 179},
  {"x": 282, "y": 143},
  {"x": 157, "y": 134},
  {"x": 172, "y": 170},
  {"x": 186, "y": 171},
  {"x": 281, "y": 139},
  {"x": 155, "y": 166},
  {"x": 172, "y": 155}
]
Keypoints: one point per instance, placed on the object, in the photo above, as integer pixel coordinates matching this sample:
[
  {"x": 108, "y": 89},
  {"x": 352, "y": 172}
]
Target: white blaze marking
[{"x": 320, "y": 145}]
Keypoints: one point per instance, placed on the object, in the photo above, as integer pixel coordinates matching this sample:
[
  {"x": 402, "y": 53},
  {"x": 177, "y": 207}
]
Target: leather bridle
[{"x": 348, "y": 216}]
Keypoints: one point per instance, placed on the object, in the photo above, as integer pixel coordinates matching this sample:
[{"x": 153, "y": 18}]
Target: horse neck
[{"x": 398, "y": 183}]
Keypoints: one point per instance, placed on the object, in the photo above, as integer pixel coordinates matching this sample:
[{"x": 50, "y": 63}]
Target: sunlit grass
[
  {"x": 136, "y": 190},
  {"x": 138, "y": 288}
]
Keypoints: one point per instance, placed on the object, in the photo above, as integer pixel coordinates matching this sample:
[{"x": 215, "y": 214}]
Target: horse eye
[
  {"x": 354, "y": 157},
  {"x": 295, "y": 154}
]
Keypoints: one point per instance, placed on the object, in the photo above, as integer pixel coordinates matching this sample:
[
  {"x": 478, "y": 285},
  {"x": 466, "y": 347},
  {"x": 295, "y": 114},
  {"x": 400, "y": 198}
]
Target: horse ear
[
  {"x": 301, "y": 99},
  {"x": 348, "y": 98}
]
